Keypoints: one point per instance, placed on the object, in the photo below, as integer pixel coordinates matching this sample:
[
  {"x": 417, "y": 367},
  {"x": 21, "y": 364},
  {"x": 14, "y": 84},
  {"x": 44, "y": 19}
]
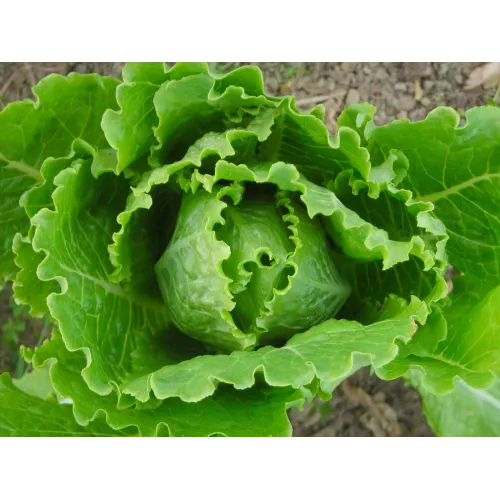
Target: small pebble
[
  {"x": 352, "y": 97},
  {"x": 406, "y": 102},
  {"x": 321, "y": 83}
]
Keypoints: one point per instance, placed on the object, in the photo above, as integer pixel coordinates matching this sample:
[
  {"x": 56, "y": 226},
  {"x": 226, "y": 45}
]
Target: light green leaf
[
  {"x": 357, "y": 117},
  {"x": 22, "y": 414},
  {"x": 27, "y": 288},
  {"x": 130, "y": 130},
  {"x": 13, "y": 183},
  {"x": 254, "y": 412},
  {"x": 319, "y": 156},
  {"x": 462, "y": 342},
  {"x": 204, "y": 313},
  {"x": 474, "y": 326},
  {"x": 67, "y": 108},
  {"x": 325, "y": 352},
  {"x": 36, "y": 383},
  {"x": 93, "y": 314},
  {"x": 457, "y": 168},
  {"x": 464, "y": 412},
  {"x": 200, "y": 103}
]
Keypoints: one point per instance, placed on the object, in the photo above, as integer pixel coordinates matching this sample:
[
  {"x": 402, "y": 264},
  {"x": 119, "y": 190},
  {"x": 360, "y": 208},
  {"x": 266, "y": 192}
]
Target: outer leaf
[
  {"x": 196, "y": 104},
  {"x": 357, "y": 117},
  {"x": 105, "y": 320},
  {"x": 464, "y": 412},
  {"x": 465, "y": 345},
  {"x": 458, "y": 170},
  {"x": 130, "y": 130},
  {"x": 255, "y": 412},
  {"x": 28, "y": 289},
  {"x": 324, "y": 352},
  {"x": 12, "y": 217},
  {"x": 67, "y": 108},
  {"x": 24, "y": 415},
  {"x": 36, "y": 383},
  {"x": 179, "y": 103},
  {"x": 474, "y": 326},
  {"x": 318, "y": 155}
]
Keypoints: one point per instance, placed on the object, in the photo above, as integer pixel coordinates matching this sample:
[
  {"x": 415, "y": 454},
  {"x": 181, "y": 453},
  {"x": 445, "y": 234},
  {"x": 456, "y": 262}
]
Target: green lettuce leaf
[
  {"x": 326, "y": 352},
  {"x": 457, "y": 169},
  {"x": 465, "y": 411},
  {"x": 28, "y": 289},
  {"x": 92, "y": 312},
  {"x": 130, "y": 130},
  {"x": 259, "y": 411},
  {"x": 22, "y": 414},
  {"x": 67, "y": 108},
  {"x": 36, "y": 383},
  {"x": 461, "y": 341}
]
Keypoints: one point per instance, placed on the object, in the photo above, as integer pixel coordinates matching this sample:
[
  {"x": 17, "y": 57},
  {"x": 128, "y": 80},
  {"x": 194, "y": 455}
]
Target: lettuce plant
[{"x": 209, "y": 256}]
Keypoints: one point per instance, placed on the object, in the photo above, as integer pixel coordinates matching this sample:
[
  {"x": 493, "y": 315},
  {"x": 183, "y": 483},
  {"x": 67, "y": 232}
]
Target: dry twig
[{"x": 316, "y": 99}]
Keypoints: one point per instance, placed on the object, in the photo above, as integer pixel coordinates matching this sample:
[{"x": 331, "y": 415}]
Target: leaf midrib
[
  {"x": 22, "y": 167},
  {"x": 457, "y": 188},
  {"x": 117, "y": 290}
]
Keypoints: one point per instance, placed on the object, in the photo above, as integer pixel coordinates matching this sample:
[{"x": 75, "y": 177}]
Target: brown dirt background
[{"x": 363, "y": 405}]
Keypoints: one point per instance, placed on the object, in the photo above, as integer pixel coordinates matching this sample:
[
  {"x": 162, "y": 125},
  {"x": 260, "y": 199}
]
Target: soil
[
  {"x": 28, "y": 331},
  {"x": 363, "y": 405},
  {"x": 6, "y": 362}
]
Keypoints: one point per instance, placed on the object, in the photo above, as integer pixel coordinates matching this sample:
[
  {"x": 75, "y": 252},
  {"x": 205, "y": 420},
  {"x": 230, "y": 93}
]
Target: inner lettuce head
[
  {"x": 209, "y": 241},
  {"x": 247, "y": 268}
]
